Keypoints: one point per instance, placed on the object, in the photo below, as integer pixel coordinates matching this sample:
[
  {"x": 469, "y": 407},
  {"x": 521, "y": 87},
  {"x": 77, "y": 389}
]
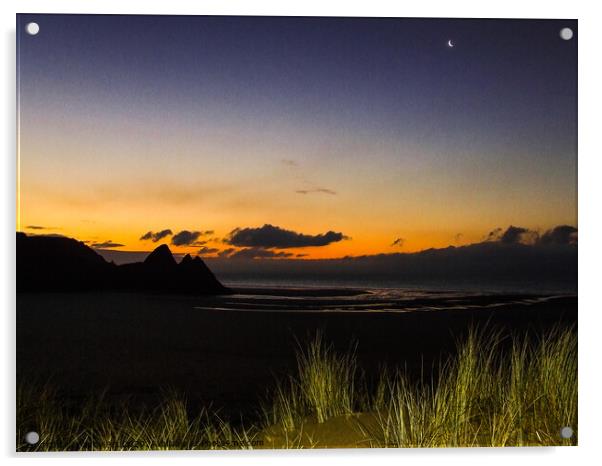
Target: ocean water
[
  {"x": 483, "y": 287},
  {"x": 358, "y": 296}
]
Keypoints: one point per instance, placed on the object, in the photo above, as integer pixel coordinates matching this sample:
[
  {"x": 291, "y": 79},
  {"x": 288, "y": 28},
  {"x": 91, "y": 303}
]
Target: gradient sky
[{"x": 136, "y": 123}]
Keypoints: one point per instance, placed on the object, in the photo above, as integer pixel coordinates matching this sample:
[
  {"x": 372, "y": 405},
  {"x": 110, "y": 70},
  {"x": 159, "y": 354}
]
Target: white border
[{"x": 590, "y": 309}]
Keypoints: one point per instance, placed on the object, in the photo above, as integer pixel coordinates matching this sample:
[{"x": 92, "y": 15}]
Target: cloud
[
  {"x": 190, "y": 238},
  {"x": 206, "y": 250},
  {"x": 513, "y": 235},
  {"x": 270, "y": 236},
  {"x": 493, "y": 235},
  {"x": 258, "y": 253},
  {"x": 157, "y": 236},
  {"x": 40, "y": 227},
  {"x": 559, "y": 235},
  {"x": 226, "y": 252},
  {"x": 252, "y": 253},
  {"x": 562, "y": 234},
  {"x": 317, "y": 190},
  {"x": 398, "y": 242},
  {"x": 186, "y": 238},
  {"x": 289, "y": 162},
  {"x": 48, "y": 235},
  {"x": 107, "y": 245}
]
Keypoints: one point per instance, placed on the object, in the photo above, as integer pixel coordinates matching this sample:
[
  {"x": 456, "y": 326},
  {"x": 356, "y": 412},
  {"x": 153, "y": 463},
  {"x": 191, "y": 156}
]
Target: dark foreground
[{"x": 136, "y": 345}]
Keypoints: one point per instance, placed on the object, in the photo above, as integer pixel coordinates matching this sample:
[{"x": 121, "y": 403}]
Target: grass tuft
[
  {"x": 486, "y": 396},
  {"x": 326, "y": 379}
]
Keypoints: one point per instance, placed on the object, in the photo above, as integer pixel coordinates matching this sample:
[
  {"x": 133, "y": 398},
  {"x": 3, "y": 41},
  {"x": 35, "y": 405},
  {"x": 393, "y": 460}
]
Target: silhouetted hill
[
  {"x": 54, "y": 263},
  {"x": 160, "y": 258}
]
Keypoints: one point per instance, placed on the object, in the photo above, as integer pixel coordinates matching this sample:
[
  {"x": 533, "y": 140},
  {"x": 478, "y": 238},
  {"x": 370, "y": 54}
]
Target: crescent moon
[{"x": 450, "y": 43}]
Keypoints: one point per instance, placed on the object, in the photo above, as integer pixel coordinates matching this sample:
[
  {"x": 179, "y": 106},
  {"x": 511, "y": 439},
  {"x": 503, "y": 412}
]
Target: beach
[{"x": 227, "y": 351}]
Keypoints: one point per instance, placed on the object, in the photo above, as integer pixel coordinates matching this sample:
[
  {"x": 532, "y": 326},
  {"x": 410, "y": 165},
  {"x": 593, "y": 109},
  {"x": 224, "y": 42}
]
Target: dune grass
[
  {"x": 495, "y": 391},
  {"x": 96, "y": 425},
  {"x": 326, "y": 380},
  {"x": 486, "y": 396}
]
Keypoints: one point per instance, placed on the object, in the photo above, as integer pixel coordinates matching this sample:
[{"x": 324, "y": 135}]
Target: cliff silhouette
[{"x": 56, "y": 263}]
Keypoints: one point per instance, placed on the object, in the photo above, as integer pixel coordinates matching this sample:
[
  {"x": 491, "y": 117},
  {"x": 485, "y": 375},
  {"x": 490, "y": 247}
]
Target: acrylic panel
[{"x": 295, "y": 232}]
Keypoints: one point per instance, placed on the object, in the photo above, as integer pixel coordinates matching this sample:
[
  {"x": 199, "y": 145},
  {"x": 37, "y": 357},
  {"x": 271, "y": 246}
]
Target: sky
[{"x": 294, "y": 137}]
